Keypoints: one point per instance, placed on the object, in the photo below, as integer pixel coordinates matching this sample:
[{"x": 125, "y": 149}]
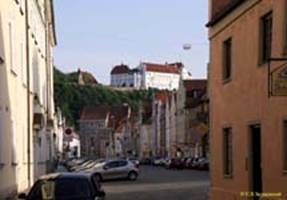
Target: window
[
  {"x": 285, "y": 145},
  {"x": 23, "y": 65},
  {"x": 227, "y": 151},
  {"x": 227, "y": 58},
  {"x": 11, "y": 47},
  {"x": 266, "y": 38},
  {"x": 112, "y": 164}
]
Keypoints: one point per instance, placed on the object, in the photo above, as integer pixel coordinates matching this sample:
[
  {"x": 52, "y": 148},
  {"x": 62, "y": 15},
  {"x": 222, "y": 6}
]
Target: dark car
[
  {"x": 65, "y": 186},
  {"x": 174, "y": 163}
]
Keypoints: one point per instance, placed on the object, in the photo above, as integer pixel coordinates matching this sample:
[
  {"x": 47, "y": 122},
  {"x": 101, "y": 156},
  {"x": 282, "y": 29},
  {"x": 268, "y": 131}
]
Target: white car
[{"x": 115, "y": 169}]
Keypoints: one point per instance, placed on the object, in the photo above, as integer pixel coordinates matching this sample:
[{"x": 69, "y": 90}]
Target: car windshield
[{"x": 60, "y": 189}]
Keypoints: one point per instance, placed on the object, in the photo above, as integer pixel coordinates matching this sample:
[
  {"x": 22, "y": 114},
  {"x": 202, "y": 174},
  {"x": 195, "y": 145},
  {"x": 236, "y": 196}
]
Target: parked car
[
  {"x": 65, "y": 186},
  {"x": 115, "y": 169},
  {"x": 203, "y": 164},
  {"x": 174, "y": 163},
  {"x": 159, "y": 161},
  {"x": 188, "y": 163},
  {"x": 196, "y": 162},
  {"x": 146, "y": 161},
  {"x": 135, "y": 161}
]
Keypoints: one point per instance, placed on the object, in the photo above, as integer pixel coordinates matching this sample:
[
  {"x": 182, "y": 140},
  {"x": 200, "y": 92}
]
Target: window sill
[
  {"x": 262, "y": 64},
  {"x": 225, "y": 176},
  {"x": 227, "y": 80},
  {"x": 13, "y": 72}
]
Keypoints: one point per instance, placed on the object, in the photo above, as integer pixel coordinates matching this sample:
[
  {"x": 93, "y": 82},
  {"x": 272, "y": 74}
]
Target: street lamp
[{"x": 113, "y": 135}]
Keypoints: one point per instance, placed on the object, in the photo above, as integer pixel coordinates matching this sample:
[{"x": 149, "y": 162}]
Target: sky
[{"x": 95, "y": 35}]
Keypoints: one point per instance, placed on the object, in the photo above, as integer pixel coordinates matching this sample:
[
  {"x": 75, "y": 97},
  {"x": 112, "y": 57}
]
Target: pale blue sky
[{"x": 95, "y": 35}]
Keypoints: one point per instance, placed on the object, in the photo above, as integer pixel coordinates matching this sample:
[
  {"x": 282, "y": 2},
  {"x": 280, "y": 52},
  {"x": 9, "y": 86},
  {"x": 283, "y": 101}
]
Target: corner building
[{"x": 248, "y": 126}]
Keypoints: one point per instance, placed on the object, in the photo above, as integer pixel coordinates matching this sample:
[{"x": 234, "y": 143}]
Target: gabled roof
[
  {"x": 161, "y": 96},
  {"x": 120, "y": 69},
  {"x": 200, "y": 86},
  {"x": 195, "y": 84},
  {"x": 162, "y": 68},
  {"x": 87, "y": 77},
  {"x": 94, "y": 112},
  {"x": 117, "y": 116}
]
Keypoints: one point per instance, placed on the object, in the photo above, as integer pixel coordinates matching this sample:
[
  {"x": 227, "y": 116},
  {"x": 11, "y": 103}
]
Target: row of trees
[{"x": 71, "y": 97}]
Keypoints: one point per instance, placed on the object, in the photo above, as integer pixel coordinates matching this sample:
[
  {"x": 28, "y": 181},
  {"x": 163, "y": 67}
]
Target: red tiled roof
[
  {"x": 161, "y": 96},
  {"x": 117, "y": 115},
  {"x": 200, "y": 84},
  {"x": 94, "y": 112},
  {"x": 166, "y": 68},
  {"x": 120, "y": 69}
]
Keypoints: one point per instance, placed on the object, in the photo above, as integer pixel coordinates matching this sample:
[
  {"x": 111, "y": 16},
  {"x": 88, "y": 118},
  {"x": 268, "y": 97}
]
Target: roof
[
  {"x": 94, "y": 112},
  {"x": 119, "y": 114},
  {"x": 195, "y": 84},
  {"x": 116, "y": 115},
  {"x": 120, "y": 69},
  {"x": 221, "y": 8},
  {"x": 54, "y": 176},
  {"x": 162, "y": 68},
  {"x": 200, "y": 86},
  {"x": 161, "y": 96},
  {"x": 87, "y": 77}
]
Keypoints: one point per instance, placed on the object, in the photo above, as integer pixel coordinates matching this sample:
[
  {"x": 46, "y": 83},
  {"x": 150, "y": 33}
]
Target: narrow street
[{"x": 158, "y": 183}]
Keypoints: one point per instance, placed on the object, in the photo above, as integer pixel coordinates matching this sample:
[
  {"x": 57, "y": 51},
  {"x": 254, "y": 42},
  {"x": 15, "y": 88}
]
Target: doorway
[{"x": 255, "y": 169}]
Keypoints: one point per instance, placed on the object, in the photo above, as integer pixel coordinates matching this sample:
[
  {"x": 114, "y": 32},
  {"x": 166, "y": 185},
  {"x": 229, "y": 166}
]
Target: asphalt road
[{"x": 157, "y": 183}]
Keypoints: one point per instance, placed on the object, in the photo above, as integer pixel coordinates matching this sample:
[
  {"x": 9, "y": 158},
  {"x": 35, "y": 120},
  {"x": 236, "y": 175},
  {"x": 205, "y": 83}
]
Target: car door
[
  {"x": 122, "y": 169},
  {"x": 110, "y": 170}
]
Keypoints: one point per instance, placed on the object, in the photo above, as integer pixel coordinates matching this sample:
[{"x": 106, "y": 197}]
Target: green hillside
[{"x": 71, "y": 97}]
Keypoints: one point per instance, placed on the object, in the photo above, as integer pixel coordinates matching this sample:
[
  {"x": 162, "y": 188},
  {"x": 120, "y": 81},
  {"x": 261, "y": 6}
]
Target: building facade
[
  {"x": 27, "y": 36},
  {"x": 104, "y": 131},
  {"x": 248, "y": 127},
  {"x": 188, "y": 132}
]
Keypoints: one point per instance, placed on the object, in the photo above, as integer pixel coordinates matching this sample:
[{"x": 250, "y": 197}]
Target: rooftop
[
  {"x": 120, "y": 69},
  {"x": 163, "y": 68}
]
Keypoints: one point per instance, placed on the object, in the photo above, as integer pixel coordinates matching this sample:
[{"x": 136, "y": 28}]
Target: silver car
[{"x": 115, "y": 169}]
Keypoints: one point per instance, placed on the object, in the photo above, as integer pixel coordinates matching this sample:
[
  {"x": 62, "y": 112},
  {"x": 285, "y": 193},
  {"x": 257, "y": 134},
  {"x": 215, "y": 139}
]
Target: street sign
[{"x": 279, "y": 81}]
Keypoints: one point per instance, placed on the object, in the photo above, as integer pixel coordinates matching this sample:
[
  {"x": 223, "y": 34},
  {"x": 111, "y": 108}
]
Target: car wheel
[
  {"x": 132, "y": 176},
  {"x": 98, "y": 177}
]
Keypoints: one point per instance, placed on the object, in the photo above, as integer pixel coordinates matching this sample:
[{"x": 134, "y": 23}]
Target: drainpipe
[{"x": 28, "y": 92}]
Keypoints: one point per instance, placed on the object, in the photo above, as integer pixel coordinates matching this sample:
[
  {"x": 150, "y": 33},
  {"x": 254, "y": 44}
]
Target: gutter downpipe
[{"x": 28, "y": 92}]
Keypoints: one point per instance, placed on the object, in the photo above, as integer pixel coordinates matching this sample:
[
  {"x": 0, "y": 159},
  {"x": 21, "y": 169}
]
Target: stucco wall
[{"x": 244, "y": 100}]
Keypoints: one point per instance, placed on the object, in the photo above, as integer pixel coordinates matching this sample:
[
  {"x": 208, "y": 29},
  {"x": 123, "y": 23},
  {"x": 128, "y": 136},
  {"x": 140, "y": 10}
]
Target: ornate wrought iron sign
[{"x": 277, "y": 78}]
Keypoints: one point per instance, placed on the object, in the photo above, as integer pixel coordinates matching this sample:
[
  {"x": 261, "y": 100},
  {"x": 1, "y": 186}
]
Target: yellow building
[{"x": 27, "y": 36}]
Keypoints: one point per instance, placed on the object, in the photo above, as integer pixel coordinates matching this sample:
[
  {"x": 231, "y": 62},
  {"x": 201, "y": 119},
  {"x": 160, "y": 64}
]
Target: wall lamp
[{"x": 1, "y": 60}]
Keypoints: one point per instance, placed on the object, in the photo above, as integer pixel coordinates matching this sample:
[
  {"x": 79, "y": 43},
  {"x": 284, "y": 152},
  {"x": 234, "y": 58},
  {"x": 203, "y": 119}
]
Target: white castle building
[{"x": 149, "y": 75}]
